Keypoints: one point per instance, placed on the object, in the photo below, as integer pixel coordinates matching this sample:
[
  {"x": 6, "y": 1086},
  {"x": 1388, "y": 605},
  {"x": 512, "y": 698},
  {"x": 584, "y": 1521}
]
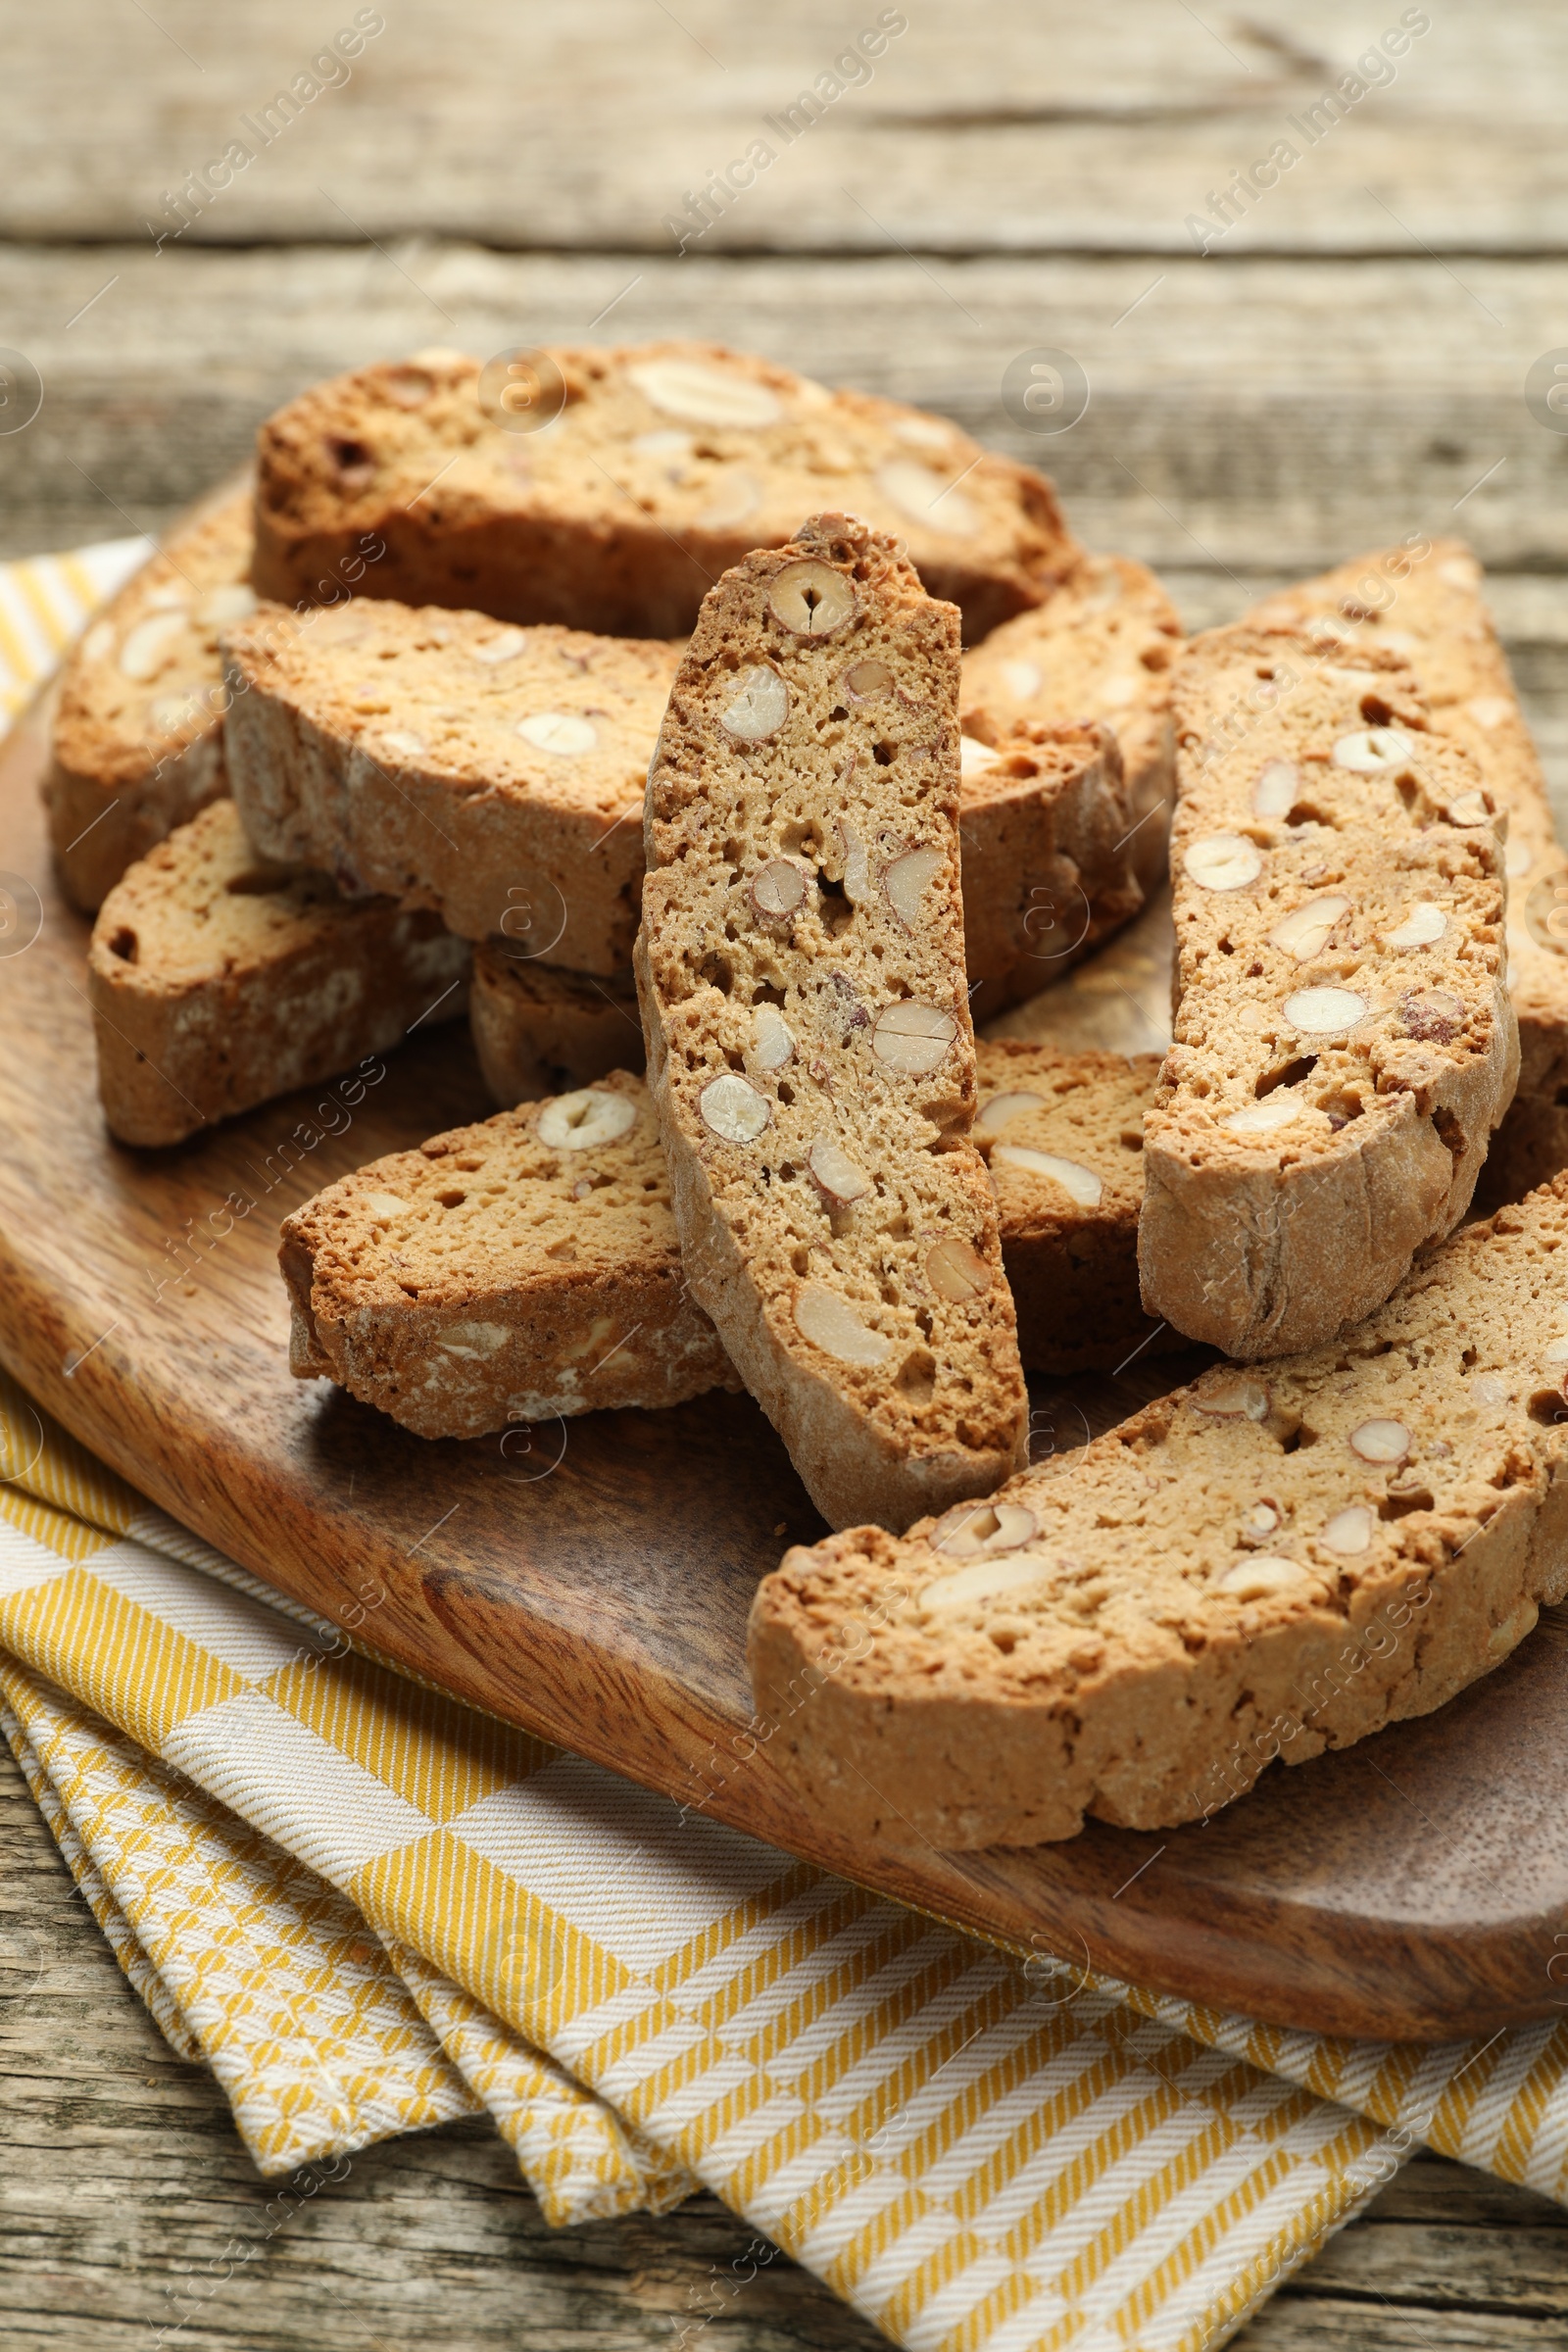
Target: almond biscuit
[
  {"x": 218, "y": 980},
  {"x": 1271, "y": 1562},
  {"x": 655, "y": 468},
  {"x": 1344, "y": 1040},
  {"x": 1423, "y": 602},
  {"x": 491, "y": 773},
  {"x": 506, "y": 1272},
  {"x": 809, "y": 1048},
  {"x": 138, "y": 743},
  {"x": 1103, "y": 647}
]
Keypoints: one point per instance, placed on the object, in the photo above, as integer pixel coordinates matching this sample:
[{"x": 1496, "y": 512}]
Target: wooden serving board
[{"x": 1416, "y": 1885}]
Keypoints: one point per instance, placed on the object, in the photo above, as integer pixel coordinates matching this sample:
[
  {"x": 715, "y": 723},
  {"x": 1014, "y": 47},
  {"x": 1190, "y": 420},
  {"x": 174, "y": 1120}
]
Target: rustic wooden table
[{"x": 1277, "y": 374}]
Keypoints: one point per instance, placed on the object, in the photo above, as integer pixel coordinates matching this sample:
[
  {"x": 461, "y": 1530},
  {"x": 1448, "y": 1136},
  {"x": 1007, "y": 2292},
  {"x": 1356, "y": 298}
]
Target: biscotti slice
[
  {"x": 1101, "y": 647},
  {"x": 1343, "y": 1041},
  {"x": 1422, "y": 601},
  {"x": 1048, "y": 869},
  {"x": 655, "y": 468},
  {"x": 800, "y": 970},
  {"x": 1062, "y": 1134},
  {"x": 1270, "y": 1563},
  {"x": 541, "y": 1031},
  {"x": 137, "y": 744},
  {"x": 503, "y": 1272},
  {"x": 810, "y": 1047},
  {"x": 218, "y": 980},
  {"x": 492, "y": 774}
]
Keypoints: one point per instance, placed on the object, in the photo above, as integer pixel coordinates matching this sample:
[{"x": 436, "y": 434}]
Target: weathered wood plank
[
  {"x": 584, "y": 124},
  {"x": 120, "y": 2179},
  {"x": 1262, "y": 416}
]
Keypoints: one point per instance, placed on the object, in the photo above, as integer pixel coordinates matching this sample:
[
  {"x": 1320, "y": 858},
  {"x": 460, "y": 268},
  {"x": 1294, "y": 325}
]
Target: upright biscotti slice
[
  {"x": 656, "y": 468},
  {"x": 492, "y": 774},
  {"x": 218, "y": 980},
  {"x": 137, "y": 744},
  {"x": 1270, "y": 1563},
  {"x": 541, "y": 1031},
  {"x": 505, "y": 1272},
  {"x": 1101, "y": 647},
  {"x": 1422, "y": 601},
  {"x": 1048, "y": 869},
  {"x": 1343, "y": 1041},
  {"x": 1062, "y": 1134},
  {"x": 810, "y": 1047}
]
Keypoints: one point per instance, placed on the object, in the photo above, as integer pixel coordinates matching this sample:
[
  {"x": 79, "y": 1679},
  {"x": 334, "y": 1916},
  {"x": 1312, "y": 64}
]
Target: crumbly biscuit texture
[
  {"x": 1061, "y": 1133},
  {"x": 1062, "y": 1136},
  {"x": 1277, "y": 1560},
  {"x": 492, "y": 774},
  {"x": 1102, "y": 646},
  {"x": 801, "y": 972},
  {"x": 218, "y": 980},
  {"x": 137, "y": 744},
  {"x": 1423, "y": 601},
  {"x": 1048, "y": 872},
  {"x": 1344, "y": 1040},
  {"x": 503, "y": 1273},
  {"x": 654, "y": 468},
  {"x": 538, "y": 1030}
]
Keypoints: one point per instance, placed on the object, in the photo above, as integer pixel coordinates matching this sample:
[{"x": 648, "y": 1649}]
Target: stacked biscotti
[
  {"x": 652, "y": 469},
  {"x": 495, "y": 774},
  {"x": 1073, "y": 1219},
  {"x": 529, "y": 1265},
  {"x": 1363, "y": 1516},
  {"x": 595, "y": 697},
  {"x": 491, "y": 775}
]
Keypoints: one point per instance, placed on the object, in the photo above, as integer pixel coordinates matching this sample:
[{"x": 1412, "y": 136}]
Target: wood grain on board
[{"x": 590, "y": 1580}]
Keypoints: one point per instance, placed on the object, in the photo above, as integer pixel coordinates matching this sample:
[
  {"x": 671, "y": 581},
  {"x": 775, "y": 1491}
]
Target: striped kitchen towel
[
  {"x": 43, "y": 605},
  {"x": 371, "y": 1908}
]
